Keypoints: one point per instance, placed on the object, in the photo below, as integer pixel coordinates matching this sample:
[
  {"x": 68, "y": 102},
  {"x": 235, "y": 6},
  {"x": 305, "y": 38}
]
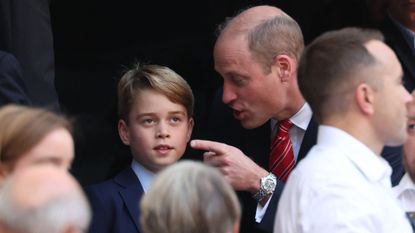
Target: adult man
[
  {"x": 399, "y": 30},
  {"x": 41, "y": 199},
  {"x": 343, "y": 185},
  {"x": 405, "y": 190},
  {"x": 257, "y": 54}
]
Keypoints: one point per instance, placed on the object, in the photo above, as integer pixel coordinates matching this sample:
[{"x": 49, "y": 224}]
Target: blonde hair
[
  {"x": 154, "y": 77},
  {"x": 22, "y": 127},
  {"x": 190, "y": 197}
]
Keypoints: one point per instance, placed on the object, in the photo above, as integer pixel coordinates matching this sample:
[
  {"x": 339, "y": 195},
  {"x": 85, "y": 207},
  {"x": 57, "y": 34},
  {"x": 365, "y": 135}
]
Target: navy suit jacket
[
  {"x": 255, "y": 143},
  {"x": 223, "y": 127},
  {"x": 12, "y": 88},
  {"x": 115, "y": 204},
  {"x": 403, "y": 49}
]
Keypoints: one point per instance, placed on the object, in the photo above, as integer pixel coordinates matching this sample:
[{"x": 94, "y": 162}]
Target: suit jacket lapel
[
  {"x": 309, "y": 140},
  {"x": 131, "y": 194},
  {"x": 257, "y": 143}
]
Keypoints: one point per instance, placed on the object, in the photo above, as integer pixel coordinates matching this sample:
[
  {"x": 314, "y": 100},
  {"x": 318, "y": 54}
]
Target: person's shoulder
[{"x": 109, "y": 184}]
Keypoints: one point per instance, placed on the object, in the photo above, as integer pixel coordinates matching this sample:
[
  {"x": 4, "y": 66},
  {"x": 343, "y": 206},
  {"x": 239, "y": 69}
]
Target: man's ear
[
  {"x": 285, "y": 66},
  {"x": 190, "y": 128},
  {"x": 365, "y": 97},
  {"x": 123, "y": 132}
]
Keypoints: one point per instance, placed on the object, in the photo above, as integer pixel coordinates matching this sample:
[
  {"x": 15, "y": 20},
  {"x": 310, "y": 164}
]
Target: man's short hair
[{"x": 332, "y": 65}]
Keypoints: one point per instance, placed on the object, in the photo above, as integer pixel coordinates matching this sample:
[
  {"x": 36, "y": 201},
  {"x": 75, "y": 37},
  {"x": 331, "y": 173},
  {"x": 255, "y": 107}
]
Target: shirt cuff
[{"x": 260, "y": 210}]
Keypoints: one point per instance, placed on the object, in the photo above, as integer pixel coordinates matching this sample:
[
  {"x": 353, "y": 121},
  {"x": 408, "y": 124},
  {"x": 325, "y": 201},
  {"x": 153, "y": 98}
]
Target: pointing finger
[{"x": 211, "y": 146}]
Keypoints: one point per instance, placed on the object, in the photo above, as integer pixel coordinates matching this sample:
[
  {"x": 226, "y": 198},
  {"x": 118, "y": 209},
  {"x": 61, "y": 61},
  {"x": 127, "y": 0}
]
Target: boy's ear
[
  {"x": 123, "y": 132},
  {"x": 190, "y": 129}
]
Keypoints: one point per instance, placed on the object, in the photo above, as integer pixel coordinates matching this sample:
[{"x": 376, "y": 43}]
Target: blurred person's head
[
  {"x": 353, "y": 80},
  {"x": 190, "y": 197},
  {"x": 43, "y": 198},
  {"x": 256, "y": 53},
  {"x": 155, "y": 107},
  {"x": 31, "y": 135}
]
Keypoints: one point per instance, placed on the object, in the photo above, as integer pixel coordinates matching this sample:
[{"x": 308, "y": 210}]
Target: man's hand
[{"x": 240, "y": 171}]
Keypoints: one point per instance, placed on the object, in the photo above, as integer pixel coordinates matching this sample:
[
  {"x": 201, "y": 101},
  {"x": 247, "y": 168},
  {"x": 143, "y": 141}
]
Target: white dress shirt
[
  {"x": 300, "y": 122},
  {"x": 145, "y": 176},
  {"x": 340, "y": 186},
  {"x": 405, "y": 193}
]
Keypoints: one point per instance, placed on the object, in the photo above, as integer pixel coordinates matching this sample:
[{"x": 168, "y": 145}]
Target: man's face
[
  {"x": 409, "y": 146},
  {"x": 158, "y": 130},
  {"x": 254, "y": 96},
  {"x": 390, "y": 114},
  {"x": 404, "y": 12}
]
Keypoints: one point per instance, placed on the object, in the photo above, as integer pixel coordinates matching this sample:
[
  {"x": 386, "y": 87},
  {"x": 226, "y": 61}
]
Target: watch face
[{"x": 269, "y": 185}]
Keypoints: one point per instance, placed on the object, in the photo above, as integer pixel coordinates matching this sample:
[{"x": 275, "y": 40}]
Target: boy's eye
[
  {"x": 175, "y": 119},
  {"x": 148, "y": 121}
]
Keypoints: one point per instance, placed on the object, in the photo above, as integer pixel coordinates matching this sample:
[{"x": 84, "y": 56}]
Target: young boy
[{"x": 155, "y": 107}]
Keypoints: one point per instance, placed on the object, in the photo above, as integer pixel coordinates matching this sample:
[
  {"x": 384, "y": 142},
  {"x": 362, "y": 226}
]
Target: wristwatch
[{"x": 267, "y": 187}]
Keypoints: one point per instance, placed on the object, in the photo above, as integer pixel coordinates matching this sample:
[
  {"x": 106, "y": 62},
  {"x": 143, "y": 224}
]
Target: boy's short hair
[{"x": 152, "y": 77}]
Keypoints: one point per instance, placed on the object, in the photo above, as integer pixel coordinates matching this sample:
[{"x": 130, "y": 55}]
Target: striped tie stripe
[{"x": 281, "y": 159}]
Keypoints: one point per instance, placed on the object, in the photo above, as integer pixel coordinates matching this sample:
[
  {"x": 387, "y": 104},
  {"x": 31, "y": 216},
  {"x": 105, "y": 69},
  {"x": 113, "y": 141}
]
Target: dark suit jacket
[
  {"x": 403, "y": 49},
  {"x": 26, "y": 32},
  {"x": 12, "y": 88},
  {"x": 115, "y": 204},
  {"x": 256, "y": 143}
]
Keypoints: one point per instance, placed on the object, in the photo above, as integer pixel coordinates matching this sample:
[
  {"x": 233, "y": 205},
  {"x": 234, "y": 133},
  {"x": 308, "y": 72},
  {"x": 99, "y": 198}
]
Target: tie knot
[{"x": 284, "y": 125}]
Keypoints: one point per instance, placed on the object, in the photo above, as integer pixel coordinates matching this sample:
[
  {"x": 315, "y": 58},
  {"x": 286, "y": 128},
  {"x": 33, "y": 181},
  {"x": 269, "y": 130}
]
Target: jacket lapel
[{"x": 131, "y": 194}]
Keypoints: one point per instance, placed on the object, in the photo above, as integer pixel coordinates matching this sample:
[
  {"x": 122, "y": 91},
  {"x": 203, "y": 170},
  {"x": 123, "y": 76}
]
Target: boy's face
[{"x": 158, "y": 130}]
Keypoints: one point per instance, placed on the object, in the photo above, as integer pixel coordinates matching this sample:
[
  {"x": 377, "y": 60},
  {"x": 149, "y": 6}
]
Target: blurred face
[
  {"x": 391, "y": 113},
  {"x": 255, "y": 97},
  {"x": 56, "y": 148},
  {"x": 404, "y": 12},
  {"x": 158, "y": 130},
  {"x": 409, "y": 146}
]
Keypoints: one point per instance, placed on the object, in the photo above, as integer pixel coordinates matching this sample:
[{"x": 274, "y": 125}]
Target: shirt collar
[
  {"x": 143, "y": 174},
  {"x": 405, "y": 184},
  {"x": 301, "y": 119},
  {"x": 372, "y": 166}
]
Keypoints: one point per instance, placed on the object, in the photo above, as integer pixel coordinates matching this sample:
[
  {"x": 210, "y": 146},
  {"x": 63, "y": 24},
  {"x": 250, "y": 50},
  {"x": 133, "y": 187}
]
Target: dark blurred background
[{"x": 95, "y": 41}]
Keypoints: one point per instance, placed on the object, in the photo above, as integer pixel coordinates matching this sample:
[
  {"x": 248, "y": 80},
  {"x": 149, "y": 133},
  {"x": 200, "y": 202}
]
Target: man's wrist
[{"x": 267, "y": 185}]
